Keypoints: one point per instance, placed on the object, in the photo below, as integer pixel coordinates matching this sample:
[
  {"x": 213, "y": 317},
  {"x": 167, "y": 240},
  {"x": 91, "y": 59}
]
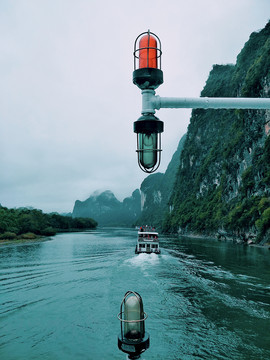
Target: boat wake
[{"x": 143, "y": 260}]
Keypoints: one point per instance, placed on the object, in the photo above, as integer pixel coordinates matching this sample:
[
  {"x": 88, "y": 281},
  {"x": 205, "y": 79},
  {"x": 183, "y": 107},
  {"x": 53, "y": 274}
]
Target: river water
[{"x": 59, "y": 298}]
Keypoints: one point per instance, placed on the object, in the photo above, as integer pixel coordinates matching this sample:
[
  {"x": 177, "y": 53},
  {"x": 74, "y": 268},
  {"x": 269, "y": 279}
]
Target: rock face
[
  {"x": 223, "y": 181},
  {"x": 107, "y": 210}
]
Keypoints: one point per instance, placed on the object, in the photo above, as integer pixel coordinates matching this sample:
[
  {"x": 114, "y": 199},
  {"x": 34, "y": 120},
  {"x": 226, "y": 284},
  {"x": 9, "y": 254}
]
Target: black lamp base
[
  {"x": 148, "y": 78},
  {"x": 133, "y": 348}
]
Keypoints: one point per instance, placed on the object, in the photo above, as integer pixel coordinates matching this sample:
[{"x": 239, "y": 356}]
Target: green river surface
[{"x": 59, "y": 297}]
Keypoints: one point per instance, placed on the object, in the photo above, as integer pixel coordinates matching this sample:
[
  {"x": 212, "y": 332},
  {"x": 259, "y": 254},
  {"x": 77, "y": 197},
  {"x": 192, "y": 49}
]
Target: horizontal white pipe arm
[
  {"x": 150, "y": 102},
  {"x": 211, "y": 103}
]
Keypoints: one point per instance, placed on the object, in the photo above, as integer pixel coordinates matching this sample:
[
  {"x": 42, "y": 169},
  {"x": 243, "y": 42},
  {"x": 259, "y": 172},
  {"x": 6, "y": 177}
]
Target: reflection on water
[{"x": 59, "y": 298}]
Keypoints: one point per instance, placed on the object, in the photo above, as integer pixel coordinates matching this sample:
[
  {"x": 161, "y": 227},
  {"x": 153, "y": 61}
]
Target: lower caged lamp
[{"x": 133, "y": 339}]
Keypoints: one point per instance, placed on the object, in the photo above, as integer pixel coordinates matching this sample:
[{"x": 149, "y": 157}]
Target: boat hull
[{"x": 146, "y": 252}]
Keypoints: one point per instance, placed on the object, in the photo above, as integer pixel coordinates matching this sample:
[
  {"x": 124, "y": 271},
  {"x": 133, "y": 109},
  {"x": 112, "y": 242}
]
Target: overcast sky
[{"x": 67, "y": 101}]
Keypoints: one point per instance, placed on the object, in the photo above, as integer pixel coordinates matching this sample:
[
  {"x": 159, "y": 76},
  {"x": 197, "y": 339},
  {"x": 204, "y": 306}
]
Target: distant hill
[
  {"x": 147, "y": 206},
  {"x": 107, "y": 210}
]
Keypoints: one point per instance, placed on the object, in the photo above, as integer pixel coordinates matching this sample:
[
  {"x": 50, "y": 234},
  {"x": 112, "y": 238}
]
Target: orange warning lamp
[
  {"x": 148, "y": 52},
  {"x": 147, "y": 72}
]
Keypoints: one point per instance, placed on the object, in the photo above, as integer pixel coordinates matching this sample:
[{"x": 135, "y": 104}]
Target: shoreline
[
  {"x": 21, "y": 240},
  {"x": 227, "y": 239},
  {"x": 34, "y": 237}
]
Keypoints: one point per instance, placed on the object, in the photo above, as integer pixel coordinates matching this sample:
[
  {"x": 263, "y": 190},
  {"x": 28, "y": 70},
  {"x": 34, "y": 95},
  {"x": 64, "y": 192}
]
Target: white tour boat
[{"x": 147, "y": 241}]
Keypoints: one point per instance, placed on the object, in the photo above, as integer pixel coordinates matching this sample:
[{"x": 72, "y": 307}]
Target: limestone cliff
[{"x": 223, "y": 181}]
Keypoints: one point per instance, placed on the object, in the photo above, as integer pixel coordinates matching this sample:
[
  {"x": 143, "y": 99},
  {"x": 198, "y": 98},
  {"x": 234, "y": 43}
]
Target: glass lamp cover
[
  {"x": 148, "y": 143},
  {"x": 133, "y": 311},
  {"x": 148, "y": 52}
]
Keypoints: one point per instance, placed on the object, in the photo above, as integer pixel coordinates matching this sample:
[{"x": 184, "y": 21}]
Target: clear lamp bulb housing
[
  {"x": 133, "y": 339},
  {"x": 148, "y": 128}
]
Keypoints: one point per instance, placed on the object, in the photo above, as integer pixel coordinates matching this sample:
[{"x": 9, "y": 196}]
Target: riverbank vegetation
[{"x": 28, "y": 224}]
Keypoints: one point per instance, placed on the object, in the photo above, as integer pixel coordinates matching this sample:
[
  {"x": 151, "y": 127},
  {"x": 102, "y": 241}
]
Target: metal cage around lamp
[
  {"x": 148, "y": 128},
  {"x": 147, "y": 72},
  {"x": 133, "y": 339}
]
